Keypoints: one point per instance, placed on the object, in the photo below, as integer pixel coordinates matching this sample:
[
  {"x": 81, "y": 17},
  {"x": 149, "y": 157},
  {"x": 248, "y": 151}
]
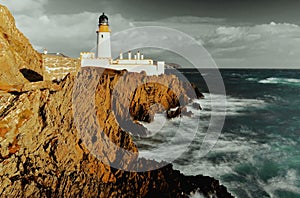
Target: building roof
[{"x": 57, "y": 54}]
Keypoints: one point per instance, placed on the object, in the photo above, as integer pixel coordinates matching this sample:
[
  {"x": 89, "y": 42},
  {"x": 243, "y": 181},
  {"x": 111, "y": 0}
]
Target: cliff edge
[{"x": 42, "y": 152}]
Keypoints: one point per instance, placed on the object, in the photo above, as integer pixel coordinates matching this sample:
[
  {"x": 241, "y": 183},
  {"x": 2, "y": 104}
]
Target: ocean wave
[
  {"x": 289, "y": 181},
  {"x": 239, "y": 159},
  {"x": 219, "y": 161},
  {"x": 232, "y": 105},
  {"x": 235, "y": 157},
  {"x": 288, "y": 81},
  {"x": 162, "y": 131},
  {"x": 167, "y": 136},
  {"x": 252, "y": 79}
]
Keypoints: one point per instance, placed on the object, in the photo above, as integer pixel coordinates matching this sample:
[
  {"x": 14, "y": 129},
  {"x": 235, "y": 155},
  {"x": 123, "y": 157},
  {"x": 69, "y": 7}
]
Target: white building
[{"x": 102, "y": 58}]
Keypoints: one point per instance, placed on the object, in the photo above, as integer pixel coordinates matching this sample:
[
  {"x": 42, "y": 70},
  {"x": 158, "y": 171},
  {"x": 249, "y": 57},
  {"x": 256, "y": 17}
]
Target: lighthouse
[
  {"x": 132, "y": 62},
  {"x": 103, "y": 38}
]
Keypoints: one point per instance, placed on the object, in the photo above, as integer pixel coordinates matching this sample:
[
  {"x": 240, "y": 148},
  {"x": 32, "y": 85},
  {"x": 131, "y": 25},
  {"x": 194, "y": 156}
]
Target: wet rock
[
  {"x": 173, "y": 113},
  {"x": 197, "y": 91},
  {"x": 185, "y": 112},
  {"x": 196, "y": 106}
]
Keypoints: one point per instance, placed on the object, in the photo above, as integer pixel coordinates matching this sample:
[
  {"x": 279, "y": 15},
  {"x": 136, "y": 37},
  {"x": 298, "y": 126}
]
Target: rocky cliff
[
  {"x": 16, "y": 52},
  {"x": 43, "y": 154},
  {"x": 68, "y": 139}
]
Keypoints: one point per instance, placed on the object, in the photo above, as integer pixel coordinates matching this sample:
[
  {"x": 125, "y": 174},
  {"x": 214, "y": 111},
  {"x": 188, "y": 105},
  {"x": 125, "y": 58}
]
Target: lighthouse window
[{"x": 101, "y": 35}]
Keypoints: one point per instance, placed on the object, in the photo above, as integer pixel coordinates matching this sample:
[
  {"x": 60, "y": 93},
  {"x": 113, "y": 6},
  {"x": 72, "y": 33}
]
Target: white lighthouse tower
[
  {"x": 102, "y": 58},
  {"x": 103, "y": 38}
]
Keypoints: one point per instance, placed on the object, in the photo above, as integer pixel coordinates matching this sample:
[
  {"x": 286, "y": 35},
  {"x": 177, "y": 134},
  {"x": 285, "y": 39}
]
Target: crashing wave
[{"x": 272, "y": 80}]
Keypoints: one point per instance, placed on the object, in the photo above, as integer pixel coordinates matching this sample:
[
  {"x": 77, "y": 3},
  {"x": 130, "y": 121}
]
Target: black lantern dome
[{"x": 103, "y": 19}]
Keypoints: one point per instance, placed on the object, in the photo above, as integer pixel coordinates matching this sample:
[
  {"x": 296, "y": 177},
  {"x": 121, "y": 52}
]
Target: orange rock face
[
  {"x": 43, "y": 153},
  {"x": 16, "y": 52}
]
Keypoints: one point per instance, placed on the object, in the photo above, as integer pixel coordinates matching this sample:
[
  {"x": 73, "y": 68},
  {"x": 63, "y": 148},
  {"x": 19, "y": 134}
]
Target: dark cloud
[
  {"x": 236, "y": 33},
  {"x": 255, "y": 11}
]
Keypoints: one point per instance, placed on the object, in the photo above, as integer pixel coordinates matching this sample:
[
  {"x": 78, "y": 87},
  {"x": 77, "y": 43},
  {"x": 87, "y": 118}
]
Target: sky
[{"x": 236, "y": 33}]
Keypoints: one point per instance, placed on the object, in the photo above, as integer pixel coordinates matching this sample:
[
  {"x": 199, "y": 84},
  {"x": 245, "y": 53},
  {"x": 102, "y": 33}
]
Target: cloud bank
[
  {"x": 69, "y": 33},
  {"x": 28, "y": 7},
  {"x": 272, "y": 45},
  {"x": 267, "y": 45}
]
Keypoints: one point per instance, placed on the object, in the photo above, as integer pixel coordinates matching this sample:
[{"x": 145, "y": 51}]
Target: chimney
[
  {"x": 129, "y": 55},
  {"x": 138, "y": 55}
]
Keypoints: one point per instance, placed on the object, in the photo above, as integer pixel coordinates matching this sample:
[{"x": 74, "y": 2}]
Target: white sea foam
[
  {"x": 155, "y": 126},
  {"x": 196, "y": 195},
  {"x": 176, "y": 134},
  {"x": 273, "y": 80},
  {"x": 288, "y": 182},
  {"x": 234, "y": 106},
  {"x": 244, "y": 151},
  {"x": 172, "y": 141},
  {"x": 252, "y": 79}
]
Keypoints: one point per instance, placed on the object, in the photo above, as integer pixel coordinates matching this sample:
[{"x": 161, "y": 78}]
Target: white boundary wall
[{"x": 87, "y": 60}]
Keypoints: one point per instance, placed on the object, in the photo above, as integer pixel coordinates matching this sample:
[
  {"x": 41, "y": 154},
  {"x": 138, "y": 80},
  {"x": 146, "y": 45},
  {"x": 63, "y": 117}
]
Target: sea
[{"x": 257, "y": 151}]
